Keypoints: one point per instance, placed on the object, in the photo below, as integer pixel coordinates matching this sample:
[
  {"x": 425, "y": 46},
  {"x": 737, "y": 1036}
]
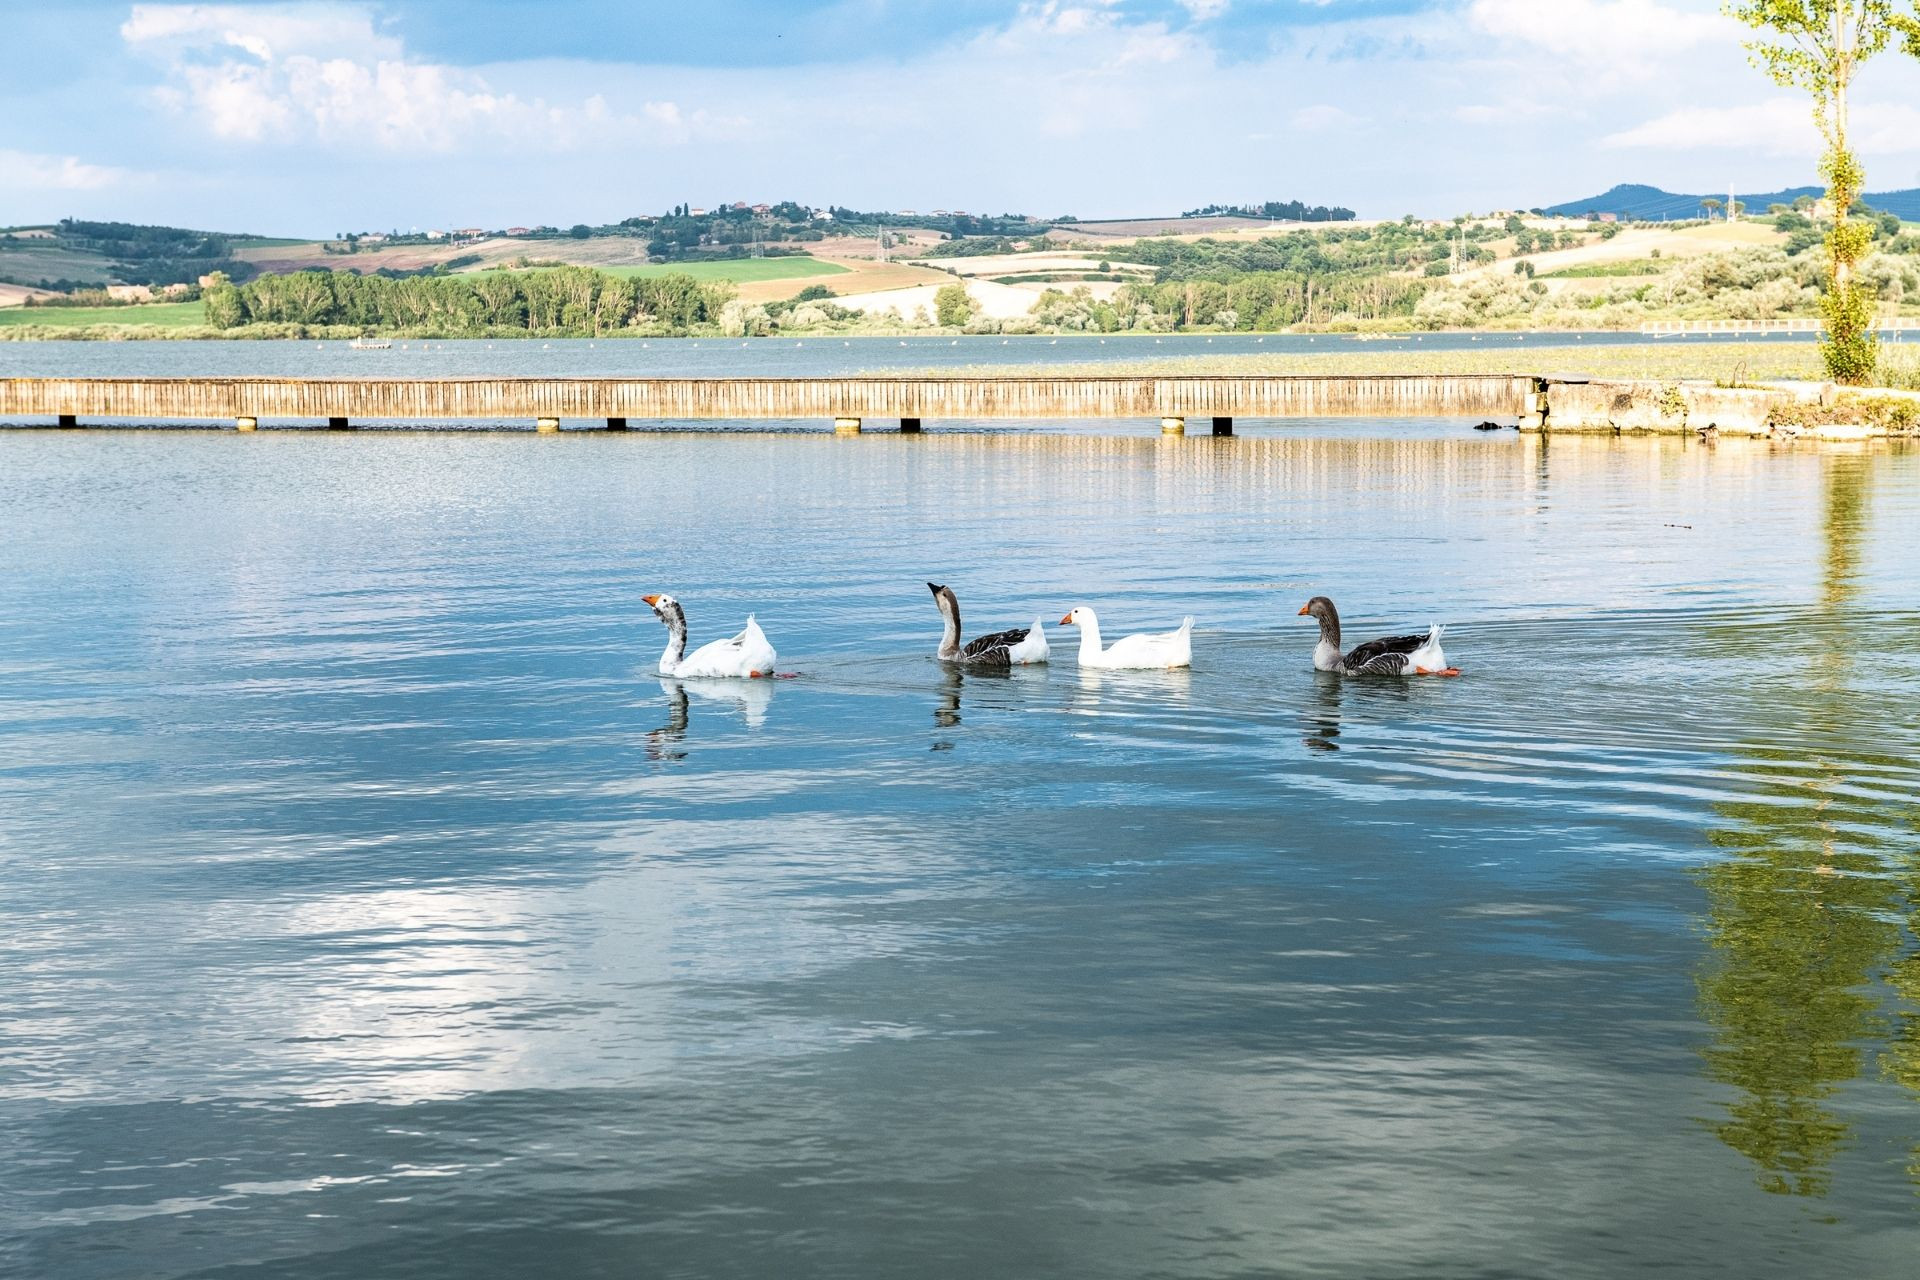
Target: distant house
[
  {"x": 763, "y": 209},
  {"x": 740, "y": 206},
  {"x": 821, "y": 215},
  {"x": 1609, "y": 217},
  {"x": 939, "y": 213},
  {"x": 906, "y": 213},
  {"x": 436, "y": 235},
  {"x": 374, "y": 237},
  {"x": 696, "y": 213},
  {"x": 959, "y": 213},
  {"x": 518, "y": 231},
  {"x": 471, "y": 233}
]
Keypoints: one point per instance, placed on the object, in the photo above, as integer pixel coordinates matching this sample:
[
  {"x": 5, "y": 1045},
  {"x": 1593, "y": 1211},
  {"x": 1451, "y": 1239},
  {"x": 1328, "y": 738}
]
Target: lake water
[
  {"x": 368, "y": 907},
  {"x": 721, "y": 357}
]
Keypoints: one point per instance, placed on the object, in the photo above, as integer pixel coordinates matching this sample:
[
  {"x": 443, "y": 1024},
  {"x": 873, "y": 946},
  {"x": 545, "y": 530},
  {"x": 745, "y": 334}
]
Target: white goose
[
  {"x": 1131, "y": 653},
  {"x": 745, "y": 656}
]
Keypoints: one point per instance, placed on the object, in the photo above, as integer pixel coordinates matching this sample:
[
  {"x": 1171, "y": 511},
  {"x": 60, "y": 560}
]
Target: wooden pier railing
[{"x": 846, "y": 400}]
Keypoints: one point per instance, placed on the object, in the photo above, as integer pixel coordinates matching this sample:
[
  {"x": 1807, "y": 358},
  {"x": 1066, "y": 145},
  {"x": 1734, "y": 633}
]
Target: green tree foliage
[
  {"x": 222, "y": 301},
  {"x": 567, "y": 300},
  {"x": 153, "y": 255},
  {"x": 1818, "y": 46},
  {"x": 953, "y": 306}
]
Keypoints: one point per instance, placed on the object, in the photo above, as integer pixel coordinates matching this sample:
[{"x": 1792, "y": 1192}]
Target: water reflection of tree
[{"x": 1801, "y": 914}]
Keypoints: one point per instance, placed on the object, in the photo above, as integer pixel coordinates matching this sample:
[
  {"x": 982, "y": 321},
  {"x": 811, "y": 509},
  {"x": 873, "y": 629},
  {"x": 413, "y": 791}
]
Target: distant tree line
[
  {"x": 562, "y": 301},
  {"x": 154, "y": 255},
  {"x": 1392, "y": 246},
  {"x": 955, "y": 224},
  {"x": 1285, "y": 210}
]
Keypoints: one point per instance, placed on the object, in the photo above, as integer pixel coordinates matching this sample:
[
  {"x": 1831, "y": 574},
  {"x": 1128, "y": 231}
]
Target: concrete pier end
[
  {"x": 246, "y": 423},
  {"x": 546, "y": 426},
  {"x": 846, "y": 426},
  {"x": 1173, "y": 426}
]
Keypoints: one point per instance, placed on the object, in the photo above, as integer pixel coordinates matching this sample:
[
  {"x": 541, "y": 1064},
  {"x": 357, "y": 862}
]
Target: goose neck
[
  {"x": 1089, "y": 636},
  {"x": 950, "y": 633},
  {"x": 676, "y": 622}
]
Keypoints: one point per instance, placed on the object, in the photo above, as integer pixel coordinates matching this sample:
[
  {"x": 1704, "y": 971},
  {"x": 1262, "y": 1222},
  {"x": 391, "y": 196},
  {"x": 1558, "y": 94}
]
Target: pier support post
[
  {"x": 616, "y": 424},
  {"x": 1223, "y": 426},
  {"x": 1173, "y": 426},
  {"x": 246, "y": 422},
  {"x": 546, "y": 426},
  {"x": 339, "y": 424},
  {"x": 910, "y": 426},
  {"x": 846, "y": 426},
  {"x": 1533, "y": 407},
  {"x": 68, "y": 420}
]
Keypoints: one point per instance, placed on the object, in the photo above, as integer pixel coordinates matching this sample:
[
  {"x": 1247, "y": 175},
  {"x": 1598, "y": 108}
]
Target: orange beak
[
  {"x": 651, "y": 599},
  {"x": 1067, "y": 621},
  {"x": 1302, "y": 613}
]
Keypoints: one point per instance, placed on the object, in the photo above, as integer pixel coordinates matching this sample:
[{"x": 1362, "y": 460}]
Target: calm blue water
[
  {"x": 736, "y": 357},
  {"x": 367, "y": 907}
]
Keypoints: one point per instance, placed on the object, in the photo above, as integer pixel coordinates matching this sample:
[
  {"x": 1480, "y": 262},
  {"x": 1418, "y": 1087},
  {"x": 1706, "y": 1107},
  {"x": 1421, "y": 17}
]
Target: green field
[
  {"x": 174, "y": 315},
  {"x": 736, "y": 270}
]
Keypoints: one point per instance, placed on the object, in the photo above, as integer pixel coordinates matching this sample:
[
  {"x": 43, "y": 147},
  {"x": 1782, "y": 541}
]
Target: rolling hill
[{"x": 1632, "y": 200}]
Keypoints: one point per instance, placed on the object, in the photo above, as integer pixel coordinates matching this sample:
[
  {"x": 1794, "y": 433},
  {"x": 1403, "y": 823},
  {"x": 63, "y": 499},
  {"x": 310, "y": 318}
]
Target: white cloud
[
  {"x": 1621, "y": 36},
  {"x": 1207, "y": 10},
  {"x": 321, "y": 28},
  {"x": 1776, "y": 127},
  {"x": 323, "y": 72},
  {"x": 31, "y": 171}
]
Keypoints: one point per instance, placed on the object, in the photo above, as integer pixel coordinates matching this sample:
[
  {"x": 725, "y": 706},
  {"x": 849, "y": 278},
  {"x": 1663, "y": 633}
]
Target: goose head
[
  {"x": 1077, "y": 618},
  {"x": 666, "y": 608},
  {"x": 1321, "y": 610}
]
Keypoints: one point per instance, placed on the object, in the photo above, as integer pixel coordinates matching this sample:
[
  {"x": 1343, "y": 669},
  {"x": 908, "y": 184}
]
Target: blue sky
[{"x": 313, "y": 116}]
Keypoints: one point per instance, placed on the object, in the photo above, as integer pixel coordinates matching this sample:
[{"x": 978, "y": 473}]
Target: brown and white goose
[
  {"x": 1001, "y": 649},
  {"x": 1415, "y": 655}
]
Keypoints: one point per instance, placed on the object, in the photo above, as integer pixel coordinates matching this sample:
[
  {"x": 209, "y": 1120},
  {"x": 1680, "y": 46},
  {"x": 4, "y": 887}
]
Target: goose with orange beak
[
  {"x": 1144, "y": 652},
  {"x": 748, "y": 655},
  {"x": 1414, "y": 655}
]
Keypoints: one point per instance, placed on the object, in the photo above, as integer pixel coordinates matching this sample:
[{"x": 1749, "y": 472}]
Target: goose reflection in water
[
  {"x": 1335, "y": 696},
  {"x": 749, "y": 697},
  {"x": 1323, "y": 714},
  {"x": 946, "y": 709},
  {"x": 664, "y": 743},
  {"x": 1129, "y": 686}
]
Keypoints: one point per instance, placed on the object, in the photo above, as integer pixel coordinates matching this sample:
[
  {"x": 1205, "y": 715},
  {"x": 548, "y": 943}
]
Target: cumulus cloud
[
  {"x": 1622, "y": 36},
  {"x": 325, "y": 72},
  {"x": 1776, "y": 127},
  {"x": 31, "y": 171}
]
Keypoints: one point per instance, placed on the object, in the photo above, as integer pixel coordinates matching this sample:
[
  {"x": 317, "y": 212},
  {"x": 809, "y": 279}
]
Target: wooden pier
[{"x": 846, "y": 402}]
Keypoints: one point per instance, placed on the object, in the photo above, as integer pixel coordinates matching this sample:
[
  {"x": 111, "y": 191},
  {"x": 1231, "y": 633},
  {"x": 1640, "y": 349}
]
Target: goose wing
[
  {"x": 994, "y": 648},
  {"x": 1386, "y": 657}
]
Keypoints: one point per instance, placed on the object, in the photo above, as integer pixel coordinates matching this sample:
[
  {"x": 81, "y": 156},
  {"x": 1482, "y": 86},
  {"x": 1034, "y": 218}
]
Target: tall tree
[{"x": 1818, "y": 46}]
